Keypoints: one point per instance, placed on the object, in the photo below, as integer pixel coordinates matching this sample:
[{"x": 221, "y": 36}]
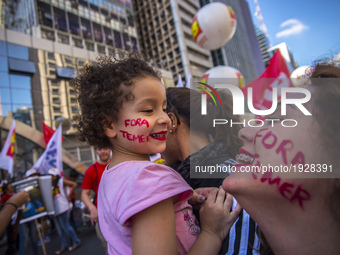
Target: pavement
[{"x": 90, "y": 244}]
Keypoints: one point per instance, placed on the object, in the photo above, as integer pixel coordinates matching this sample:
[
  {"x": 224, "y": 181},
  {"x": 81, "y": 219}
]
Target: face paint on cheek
[
  {"x": 269, "y": 140},
  {"x": 286, "y": 145},
  {"x": 258, "y": 135},
  {"x": 136, "y": 122},
  {"x": 286, "y": 190},
  {"x": 133, "y": 137},
  {"x": 300, "y": 195},
  {"x": 258, "y": 164}
]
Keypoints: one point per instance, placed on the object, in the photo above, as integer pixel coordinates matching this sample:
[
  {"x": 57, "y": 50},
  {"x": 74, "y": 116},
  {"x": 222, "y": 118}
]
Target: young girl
[
  {"x": 142, "y": 206},
  {"x": 62, "y": 208}
]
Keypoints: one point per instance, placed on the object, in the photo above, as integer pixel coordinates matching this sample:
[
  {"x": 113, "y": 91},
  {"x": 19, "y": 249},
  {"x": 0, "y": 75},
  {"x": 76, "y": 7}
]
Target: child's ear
[{"x": 109, "y": 129}]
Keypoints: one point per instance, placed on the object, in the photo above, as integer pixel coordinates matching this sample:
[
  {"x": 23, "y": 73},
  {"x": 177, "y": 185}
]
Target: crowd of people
[{"x": 142, "y": 207}]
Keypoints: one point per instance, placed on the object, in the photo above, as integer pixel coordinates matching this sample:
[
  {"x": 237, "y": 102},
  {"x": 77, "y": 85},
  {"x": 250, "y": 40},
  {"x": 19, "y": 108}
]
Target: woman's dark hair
[
  {"x": 326, "y": 80},
  {"x": 55, "y": 182},
  {"x": 5, "y": 186},
  {"x": 73, "y": 174},
  {"x": 186, "y": 103},
  {"x": 102, "y": 88}
]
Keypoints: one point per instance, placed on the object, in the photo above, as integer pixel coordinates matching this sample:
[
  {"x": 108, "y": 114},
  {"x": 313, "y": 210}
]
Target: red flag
[
  {"x": 48, "y": 133},
  {"x": 262, "y": 87}
]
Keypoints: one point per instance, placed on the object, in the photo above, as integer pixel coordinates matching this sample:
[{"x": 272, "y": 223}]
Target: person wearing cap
[
  {"x": 62, "y": 208},
  {"x": 31, "y": 173}
]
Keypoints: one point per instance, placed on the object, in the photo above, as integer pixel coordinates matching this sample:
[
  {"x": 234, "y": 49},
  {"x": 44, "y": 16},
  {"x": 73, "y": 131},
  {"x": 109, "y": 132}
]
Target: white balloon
[
  {"x": 300, "y": 76},
  {"x": 223, "y": 75},
  {"x": 213, "y": 25}
]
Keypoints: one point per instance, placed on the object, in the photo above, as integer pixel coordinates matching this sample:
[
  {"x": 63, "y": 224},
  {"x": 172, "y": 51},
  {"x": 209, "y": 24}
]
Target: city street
[{"x": 90, "y": 244}]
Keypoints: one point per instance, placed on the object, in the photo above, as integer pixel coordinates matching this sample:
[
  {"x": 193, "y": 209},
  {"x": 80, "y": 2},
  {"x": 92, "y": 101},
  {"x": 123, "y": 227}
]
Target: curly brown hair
[{"x": 102, "y": 88}]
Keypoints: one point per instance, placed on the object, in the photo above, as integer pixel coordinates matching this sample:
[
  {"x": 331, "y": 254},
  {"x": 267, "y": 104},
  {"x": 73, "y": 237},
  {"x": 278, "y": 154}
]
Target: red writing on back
[{"x": 136, "y": 122}]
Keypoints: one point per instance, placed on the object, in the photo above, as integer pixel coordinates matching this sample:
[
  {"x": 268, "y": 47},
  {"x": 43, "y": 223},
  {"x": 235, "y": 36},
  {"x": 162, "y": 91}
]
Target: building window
[
  {"x": 17, "y": 51},
  {"x": 86, "y": 29},
  {"x": 97, "y": 32},
  {"x": 81, "y": 63},
  {"x": 134, "y": 43},
  {"x": 77, "y": 42},
  {"x": 108, "y": 36},
  {"x": 56, "y": 100},
  {"x": 60, "y": 19},
  {"x": 62, "y": 38},
  {"x": 89, "y": 46},
  {"x": 56, "y": 109},
  {"x": 47, "y": 34},
  {"x": 16, "y": 95},
  {"x": 73, "y": 22},
  {"x": 127, "y": 43},
  {"x": 50, "y": 55},
  {"x": 118, "y": 40},
  {"x": 44, "y": 14},
  {"x": 101, "y": 49}
]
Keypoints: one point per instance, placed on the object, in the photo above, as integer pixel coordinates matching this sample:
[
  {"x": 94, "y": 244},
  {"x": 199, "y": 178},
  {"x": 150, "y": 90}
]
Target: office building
[
  {"x": 264, "y": 45},
  {"x": 42, "y": 43},
  {"x": 164, "y": 33}
]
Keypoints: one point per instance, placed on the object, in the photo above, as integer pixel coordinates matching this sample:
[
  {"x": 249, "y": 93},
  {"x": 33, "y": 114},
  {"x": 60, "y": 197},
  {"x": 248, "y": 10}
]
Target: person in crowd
[
  {"x": 73, "y": 176},
  {"x": 90, "y": 183},
  {"x": 298, "y": 211},
  {"x": 62, "y": 208},
  {"x": 27, "y": 231},
  {"x": 193, "y": 141},
  {"x": 142, "y": 206},
  {"x": 8, "y": 193},
  {"x": 10, "y": 206}
]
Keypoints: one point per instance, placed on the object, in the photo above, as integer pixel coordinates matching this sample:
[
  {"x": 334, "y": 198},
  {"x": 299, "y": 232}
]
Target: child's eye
[
  {"x": 164, "y": 110},
  {"x": 148, "y": 111}
]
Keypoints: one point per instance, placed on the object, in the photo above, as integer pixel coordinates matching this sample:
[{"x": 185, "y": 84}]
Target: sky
[{"x": 310, "y": 28}]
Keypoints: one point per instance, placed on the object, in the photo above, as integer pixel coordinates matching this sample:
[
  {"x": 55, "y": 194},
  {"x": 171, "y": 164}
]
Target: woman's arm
[
  {"x": 72, "y": 184},
  {"x": 154, "y": 231},
  {"x": 9, "y": 208}
]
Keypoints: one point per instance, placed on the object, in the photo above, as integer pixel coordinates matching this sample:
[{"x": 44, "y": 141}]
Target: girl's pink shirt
[{"x": 130, "y": 187}]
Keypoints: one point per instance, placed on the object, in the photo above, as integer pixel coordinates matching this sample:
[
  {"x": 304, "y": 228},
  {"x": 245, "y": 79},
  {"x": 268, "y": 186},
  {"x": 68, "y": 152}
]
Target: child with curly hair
[{"x": 142, "y": 206}]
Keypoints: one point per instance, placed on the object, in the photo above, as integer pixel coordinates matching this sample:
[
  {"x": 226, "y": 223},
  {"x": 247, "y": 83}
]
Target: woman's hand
[
  {"x": 215, "y": 215},
  {"x": 199, "y": 197},
  {"x": 19, "y": 199}
]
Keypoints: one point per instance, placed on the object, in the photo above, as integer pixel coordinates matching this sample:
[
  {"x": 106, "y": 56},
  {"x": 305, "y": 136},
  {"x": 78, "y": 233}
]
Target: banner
[
  {"x": 35, "y": 208},
  {"x": 51, "y": 158},
  {"x": 7, "y": 152},
  {"x": 276, "y": 75}
]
